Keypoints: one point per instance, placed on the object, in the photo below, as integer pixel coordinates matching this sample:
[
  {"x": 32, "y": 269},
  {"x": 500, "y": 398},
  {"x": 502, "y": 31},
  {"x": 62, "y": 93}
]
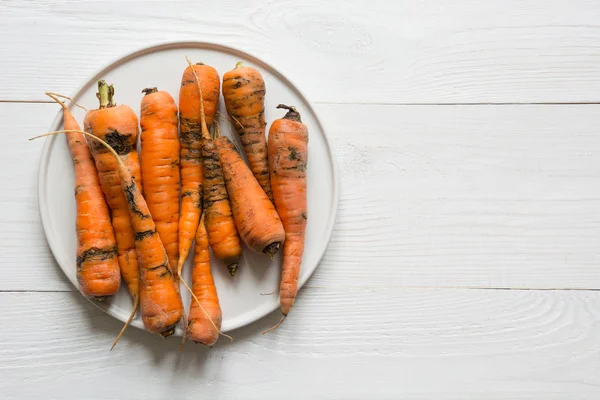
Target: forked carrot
[
  {"x": 254, "y": 214},
  {"x": 288, "y": 155},
  {"x": 191, "y": 109},
  {"x": 244, "y": 94},
  {"x": 161, "y": 304},
  {"x": 160, "y": 166},
  {"x": 97, "y": 265},
  {"x": 118, "y": 126}
]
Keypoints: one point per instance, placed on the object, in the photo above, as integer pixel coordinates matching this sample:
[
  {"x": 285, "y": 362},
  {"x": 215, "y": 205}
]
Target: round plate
[{"x": 242, "y": 298}]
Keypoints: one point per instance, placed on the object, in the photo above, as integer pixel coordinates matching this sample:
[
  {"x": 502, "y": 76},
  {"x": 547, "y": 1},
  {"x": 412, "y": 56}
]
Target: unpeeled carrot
[
  {"x": 254, "y": 214},
  {"x": 190, "y": 122},
  {"x": 244, "y": 94},
  {"x": 118, "y": 126},
  {"x": 222, "y": 233},
  {"x": 97, "y": 265},
  {"x": 288, "y": 155},
  {"x": 160, "y": 166},
  {"x": 204, "y": 318}
]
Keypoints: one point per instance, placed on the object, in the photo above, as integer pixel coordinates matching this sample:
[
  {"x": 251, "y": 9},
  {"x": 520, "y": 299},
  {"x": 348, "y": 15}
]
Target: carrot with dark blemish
[
  {"x": 118, "y": 126},
  {"x": 244, "y": 94},
  {"x": 160, "y": 166},
  {"x": 254, "y": 214},
  {"x": 288, "y": 155},
  {"x": 160, "y": 302},
  {"x": 97, "y": 265},
  {"x": 222, "y": 233},
  {"x": 194, "y": 113}
]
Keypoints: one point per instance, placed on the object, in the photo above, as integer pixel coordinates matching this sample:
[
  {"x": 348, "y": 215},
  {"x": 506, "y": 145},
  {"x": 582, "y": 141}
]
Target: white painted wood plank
[
  {"x": 27, "y": 263},
  {"x": 432, "y": 51},
  {"x": 350, "y": 344},
  {"x": 452, "y": 196}
]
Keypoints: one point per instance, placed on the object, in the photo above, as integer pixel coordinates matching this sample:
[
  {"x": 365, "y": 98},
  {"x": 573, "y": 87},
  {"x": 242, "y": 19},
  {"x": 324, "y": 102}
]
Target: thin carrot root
[
  {"x": 204, "y": 311},
  {"x": 136, "y": 304},
  {"x": 283, "y": 317},
  {"x": 62, "y": 96}
]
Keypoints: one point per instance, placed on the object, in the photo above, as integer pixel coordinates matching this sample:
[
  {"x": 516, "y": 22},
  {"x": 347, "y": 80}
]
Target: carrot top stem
[
  {"x": 147, "y": 91},
  {"x": 292, "y": 113},
  {"x": 239, "y": 64},
  {"x": 105, "y": 94}
]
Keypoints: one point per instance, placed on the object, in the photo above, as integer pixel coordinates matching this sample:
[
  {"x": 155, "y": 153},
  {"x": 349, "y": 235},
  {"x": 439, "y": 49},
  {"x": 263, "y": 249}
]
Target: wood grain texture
[
  {"x": 376, "y": 343},
  {"x": 431, "y": 196},
  {"x": 432, "y": 51}
]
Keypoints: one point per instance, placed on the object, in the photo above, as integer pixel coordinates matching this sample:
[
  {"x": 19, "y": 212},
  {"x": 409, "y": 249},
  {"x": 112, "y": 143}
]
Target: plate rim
[{"x": 260, "y": 312}]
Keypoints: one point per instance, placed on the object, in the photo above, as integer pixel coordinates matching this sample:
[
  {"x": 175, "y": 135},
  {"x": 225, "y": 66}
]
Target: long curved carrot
[
  {"x": 204, "y": 318},
  {"x": 222, "y": 233},
  {"x": 160, "y": 166},
  {"x": 161, "y": 304},
  {"x": 190, "y": 122},
  {"x": 97, "y": 265},
  {"x": 244, "y": 94},
  {"x": 254, "y": 214},
  {"x": 118, "y": 126},
  {"x": 288, "y": 155}
]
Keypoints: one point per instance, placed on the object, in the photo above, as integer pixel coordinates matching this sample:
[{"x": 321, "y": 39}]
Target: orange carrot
[
  {"x": 160, "y": 166},
  {"x": 254, "y": 214},
  {"x": 244, "y": 94},
  {"x": 190, "y": 120},
  {"x": 97, "y": 264},
  {"x": 118, "y": 126},
  {"x": 288, "y": 155},
  {"x": 205, "y": 313},
  {"x": 161, "y": 304},
  {"x": 222, "y": 233}
]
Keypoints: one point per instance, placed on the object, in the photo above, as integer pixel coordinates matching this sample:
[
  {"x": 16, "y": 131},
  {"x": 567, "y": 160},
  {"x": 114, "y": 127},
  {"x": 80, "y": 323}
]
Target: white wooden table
[{"x": 465, "y": 261}]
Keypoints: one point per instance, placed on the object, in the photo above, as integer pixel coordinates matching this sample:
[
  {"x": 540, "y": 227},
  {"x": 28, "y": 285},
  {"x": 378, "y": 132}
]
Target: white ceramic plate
[{"x": 162, "y": 66}]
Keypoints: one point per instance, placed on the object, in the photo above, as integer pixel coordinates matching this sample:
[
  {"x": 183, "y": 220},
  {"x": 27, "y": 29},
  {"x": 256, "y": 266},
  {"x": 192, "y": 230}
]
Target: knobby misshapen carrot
[
  {"x": 254, "y": 214},
  {"x": 244, "y": 94},
  {"x": 97, "y": 265},
  {"x": 204, "y": 319},
  {"x": 118, "y": 126},
  {"x": 160, "y": 166},
  {"x": 288, "y": 156},
  {"x": 190, "y": 121},
  {"x": 161, "y": 304},
  {"x": 222, "y": 233}
]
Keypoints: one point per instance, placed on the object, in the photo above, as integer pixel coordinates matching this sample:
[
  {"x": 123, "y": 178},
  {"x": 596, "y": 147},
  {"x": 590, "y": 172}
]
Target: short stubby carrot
[
  {"x": 254, "y": 214},
  {"x": 288, "y": 156},
  {"x": 118, "y": 126},
  {"x": 97, "y": 265},
  {"x": 190, "y": 126},
  {"x": 222, "y": 233},
  {"x": 244, "y": 94},
  {"x": 200, "y": 328},
  {"x": 160, "y": 166}
]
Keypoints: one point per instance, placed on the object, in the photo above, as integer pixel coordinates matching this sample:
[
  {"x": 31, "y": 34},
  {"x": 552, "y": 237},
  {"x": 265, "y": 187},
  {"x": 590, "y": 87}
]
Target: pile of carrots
[{"x": 138, "y": 215}]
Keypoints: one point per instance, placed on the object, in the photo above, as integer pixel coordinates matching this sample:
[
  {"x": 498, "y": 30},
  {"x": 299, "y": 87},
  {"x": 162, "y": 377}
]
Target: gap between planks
[
  {"x": 375, "y": 287},
  {"x": 584, "y": 103}
]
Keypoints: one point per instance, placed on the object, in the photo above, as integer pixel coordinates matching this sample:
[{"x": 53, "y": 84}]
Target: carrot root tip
[
  {"x": 283, "y": 317},
  {"x": 271, "y": 249},
  {"x": 233, "y": 268},
  {"x": 169, "y": 332}
]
